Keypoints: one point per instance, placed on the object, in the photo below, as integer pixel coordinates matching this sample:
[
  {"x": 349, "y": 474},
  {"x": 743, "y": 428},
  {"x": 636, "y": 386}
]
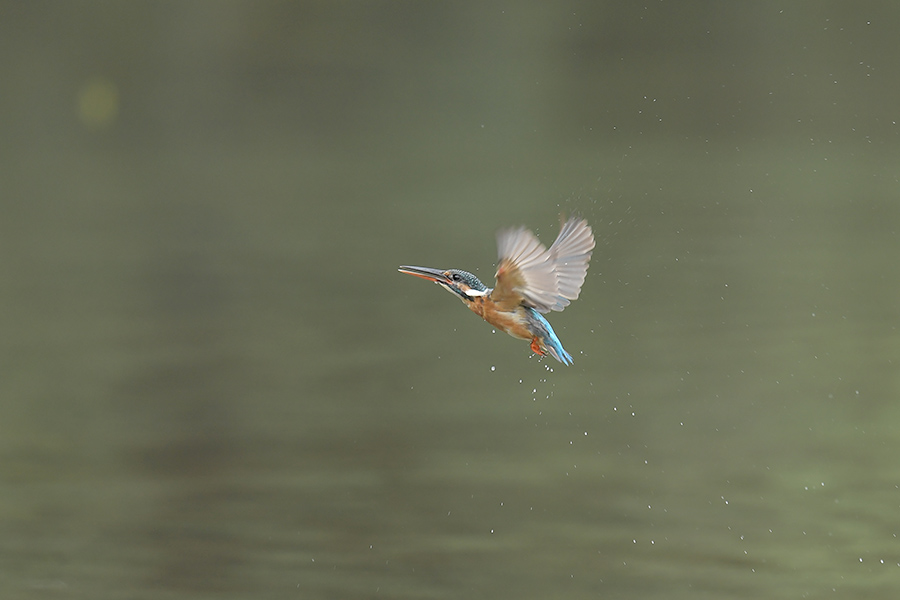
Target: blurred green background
[{"x": 216, "y": 385}]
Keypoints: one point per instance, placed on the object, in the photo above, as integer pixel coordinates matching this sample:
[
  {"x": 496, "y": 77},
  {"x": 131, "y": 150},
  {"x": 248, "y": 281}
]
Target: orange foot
[{"x": 536, "y": 347}]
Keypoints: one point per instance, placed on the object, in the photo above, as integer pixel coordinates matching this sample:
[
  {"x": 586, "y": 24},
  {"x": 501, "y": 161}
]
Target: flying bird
[{"x": 532, "y": 280}]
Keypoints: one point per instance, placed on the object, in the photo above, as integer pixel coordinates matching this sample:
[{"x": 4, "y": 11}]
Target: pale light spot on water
[{"x": 98, "y": 103}]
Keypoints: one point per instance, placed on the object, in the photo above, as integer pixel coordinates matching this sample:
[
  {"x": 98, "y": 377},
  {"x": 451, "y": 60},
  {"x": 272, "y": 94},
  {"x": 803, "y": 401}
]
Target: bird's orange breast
[{"x": 512, "y": 322}]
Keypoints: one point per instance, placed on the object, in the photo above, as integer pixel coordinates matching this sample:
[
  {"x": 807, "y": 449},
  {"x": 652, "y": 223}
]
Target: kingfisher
[{"x": 531, "y": 279}]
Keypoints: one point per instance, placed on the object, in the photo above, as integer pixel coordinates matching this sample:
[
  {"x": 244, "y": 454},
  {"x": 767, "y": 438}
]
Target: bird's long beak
[{"x": 435, "y": 275}]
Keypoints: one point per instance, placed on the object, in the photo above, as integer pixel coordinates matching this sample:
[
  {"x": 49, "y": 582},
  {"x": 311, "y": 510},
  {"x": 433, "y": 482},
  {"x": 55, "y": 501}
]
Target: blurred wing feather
[
  {"x": 524, "y": 272},
  {"x": 530, "y": 274}
]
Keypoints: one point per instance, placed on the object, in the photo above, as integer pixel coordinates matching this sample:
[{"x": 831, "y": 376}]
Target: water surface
[{"x": 216, "y": 384}]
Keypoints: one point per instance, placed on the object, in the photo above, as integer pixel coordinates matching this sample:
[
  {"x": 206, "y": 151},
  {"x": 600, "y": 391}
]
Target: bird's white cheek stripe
[{"x": 474, "y": 293}]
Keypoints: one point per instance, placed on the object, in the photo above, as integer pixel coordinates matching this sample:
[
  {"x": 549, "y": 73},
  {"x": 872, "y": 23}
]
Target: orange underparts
[{"x": 536, "y": 347}]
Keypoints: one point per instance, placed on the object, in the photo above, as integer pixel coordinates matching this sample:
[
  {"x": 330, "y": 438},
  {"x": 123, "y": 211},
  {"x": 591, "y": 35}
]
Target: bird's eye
[{"x": 456, "y": 277}]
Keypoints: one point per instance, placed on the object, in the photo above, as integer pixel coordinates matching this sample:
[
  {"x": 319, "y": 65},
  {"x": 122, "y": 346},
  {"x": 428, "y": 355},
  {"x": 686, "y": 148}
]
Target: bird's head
[{"x": 461, "y": 283}]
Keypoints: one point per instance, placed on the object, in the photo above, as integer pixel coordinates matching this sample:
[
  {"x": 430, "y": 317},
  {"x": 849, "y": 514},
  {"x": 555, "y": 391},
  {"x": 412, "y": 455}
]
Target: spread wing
[
  {"x": 571, "y": 254},
  {"x": 546, "y": 280}
]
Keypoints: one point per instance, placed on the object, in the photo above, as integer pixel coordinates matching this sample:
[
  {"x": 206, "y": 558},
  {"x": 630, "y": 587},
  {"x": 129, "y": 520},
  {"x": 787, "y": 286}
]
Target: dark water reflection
[{"x": 217, "y": 385}]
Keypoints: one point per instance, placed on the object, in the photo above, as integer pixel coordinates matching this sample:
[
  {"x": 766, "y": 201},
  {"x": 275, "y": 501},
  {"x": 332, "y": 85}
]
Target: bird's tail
[
  {"x": 547, "y": 339},
  {"x": 555, "y": 349}
]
